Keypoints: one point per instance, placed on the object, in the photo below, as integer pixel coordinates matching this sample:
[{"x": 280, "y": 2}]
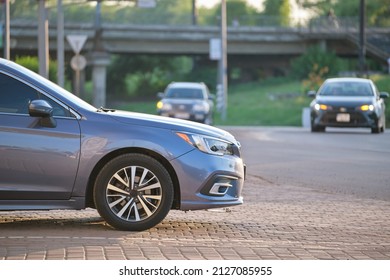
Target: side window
[
  {"x": 58, "y": 110},
  {"x": 15, "y": 95}
]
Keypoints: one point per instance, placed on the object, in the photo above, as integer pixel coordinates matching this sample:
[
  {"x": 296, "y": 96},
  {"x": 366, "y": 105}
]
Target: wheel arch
[{"x": 89, "y": 201}]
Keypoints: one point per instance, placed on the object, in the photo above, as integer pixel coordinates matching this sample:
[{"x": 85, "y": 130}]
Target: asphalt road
[{"x": 348, "y": 161}]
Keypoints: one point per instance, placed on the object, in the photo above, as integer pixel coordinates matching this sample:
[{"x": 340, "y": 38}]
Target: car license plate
[
  {"x": 182, "y": 115},
  {"x": 343, "y": 117}
]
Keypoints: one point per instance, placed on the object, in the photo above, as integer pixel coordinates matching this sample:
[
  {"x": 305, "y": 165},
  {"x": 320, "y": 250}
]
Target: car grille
[
  {"x": 182, "y": 107},
  {"x": 356, "y": 118}
]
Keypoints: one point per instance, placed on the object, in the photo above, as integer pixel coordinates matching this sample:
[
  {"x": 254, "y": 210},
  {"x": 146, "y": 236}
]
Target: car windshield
[
  {"x": 347, "y": 89},
  {"x": 185, "y": 93}
]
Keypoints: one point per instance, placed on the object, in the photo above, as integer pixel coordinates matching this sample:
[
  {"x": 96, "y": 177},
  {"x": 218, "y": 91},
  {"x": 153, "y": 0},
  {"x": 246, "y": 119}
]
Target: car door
[{"x": 36, "y": 162}]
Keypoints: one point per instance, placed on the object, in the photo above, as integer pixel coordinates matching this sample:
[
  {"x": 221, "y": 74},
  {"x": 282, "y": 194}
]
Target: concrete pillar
[
  {"x": 99, "y": 62},
  {"x": 323, "y": 45}
]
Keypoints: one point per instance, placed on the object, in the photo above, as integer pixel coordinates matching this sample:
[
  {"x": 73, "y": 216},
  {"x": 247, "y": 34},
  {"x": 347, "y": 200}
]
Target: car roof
[
  {"x": 348, "y": 79},
  {"x": 186, "y": 84}
]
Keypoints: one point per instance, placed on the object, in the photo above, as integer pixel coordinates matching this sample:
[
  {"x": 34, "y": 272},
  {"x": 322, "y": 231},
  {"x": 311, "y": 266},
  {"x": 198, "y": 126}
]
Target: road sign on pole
[
  {"x": 215, "y": 49},
  {"x": 76, "y": 42}
]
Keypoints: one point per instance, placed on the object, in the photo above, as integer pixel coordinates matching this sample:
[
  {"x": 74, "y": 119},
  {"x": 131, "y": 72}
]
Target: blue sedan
[{"x": 58, "y": 152}]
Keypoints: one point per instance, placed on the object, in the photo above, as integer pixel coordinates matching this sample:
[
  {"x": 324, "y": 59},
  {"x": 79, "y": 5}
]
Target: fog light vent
[{"x": 220, "y": 188}]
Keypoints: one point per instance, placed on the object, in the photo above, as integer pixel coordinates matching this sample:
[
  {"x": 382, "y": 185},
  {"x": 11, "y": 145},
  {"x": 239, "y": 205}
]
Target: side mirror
[
  {"x": 42, "y": 109},
  {"x": 384, "y": 95},
  {"x": 160, "y": 95},
  {"x": 311, "y": 93}
]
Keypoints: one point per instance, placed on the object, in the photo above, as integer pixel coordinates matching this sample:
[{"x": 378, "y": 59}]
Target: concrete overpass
[{"x": 194, "y": 40}]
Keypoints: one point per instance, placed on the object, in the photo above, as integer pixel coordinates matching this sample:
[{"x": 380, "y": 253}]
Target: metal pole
[
  {"x": 60, "y": 44},
  {"x": 362, "y": 38},
  {"x": 194, "y": 13},
  {"x": 98, "y": 46},
  {"x": 223, "y": 62},
  {"x": 43, "y": 40},
  {"x": 6, "y": 41}
]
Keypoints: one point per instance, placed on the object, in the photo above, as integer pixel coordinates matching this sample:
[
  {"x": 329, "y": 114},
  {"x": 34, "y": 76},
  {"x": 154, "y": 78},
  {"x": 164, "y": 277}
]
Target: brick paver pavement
[{"x": 275, "y": 222}]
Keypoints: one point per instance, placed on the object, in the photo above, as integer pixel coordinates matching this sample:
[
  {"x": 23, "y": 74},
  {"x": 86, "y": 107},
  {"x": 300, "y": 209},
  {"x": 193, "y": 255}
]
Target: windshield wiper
[{"x": 102, "y": 109}]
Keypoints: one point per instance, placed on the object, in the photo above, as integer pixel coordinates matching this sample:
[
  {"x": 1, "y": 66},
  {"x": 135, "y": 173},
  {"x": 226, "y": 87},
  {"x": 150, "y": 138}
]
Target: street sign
[
  {"x": 76, "y": 42},
  {"x": 215, "y": 49},
  {"x": 78, "y": 62}
]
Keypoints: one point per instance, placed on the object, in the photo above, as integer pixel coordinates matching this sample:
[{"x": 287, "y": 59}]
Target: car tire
[
  {"x": 376, "y": 129},
  {"x": 133, "y": 192},
  {"x": 317, "y": 128}
]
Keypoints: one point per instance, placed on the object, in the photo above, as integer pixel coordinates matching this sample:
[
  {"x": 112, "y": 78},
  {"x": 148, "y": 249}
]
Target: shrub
[
  {"x": 32, "y": 63},
  {"x": 316, "y": 61}
]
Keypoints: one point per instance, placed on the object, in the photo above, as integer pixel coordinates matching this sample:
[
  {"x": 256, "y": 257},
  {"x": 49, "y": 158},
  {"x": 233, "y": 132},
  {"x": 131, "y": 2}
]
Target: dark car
[
  {"x": 348, "y": 102},
  {"x": 187, "y": 100},
  {"x": 58, "y": 152}
]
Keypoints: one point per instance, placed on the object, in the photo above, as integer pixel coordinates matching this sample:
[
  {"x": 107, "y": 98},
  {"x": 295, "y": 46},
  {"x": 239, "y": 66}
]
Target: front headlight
[
  {"x": 322, "y": 107},
  {"x": 201, "y": 107},
  {"x": 164, "y": 106},
  {"x": 367, "y": 107},
  {"x": 208, "y": 144}
]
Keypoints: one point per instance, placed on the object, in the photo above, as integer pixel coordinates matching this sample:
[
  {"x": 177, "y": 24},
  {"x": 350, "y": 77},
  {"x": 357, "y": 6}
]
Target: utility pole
[
  {"x": 223, "y": 61},
  {"x": 60, "y": 44},
  {"x": 362, "y": 38},
  {"x": 194, "y": 13},
  {"x": 43, "y": 40},
  {"x": 6, "y": 41}
]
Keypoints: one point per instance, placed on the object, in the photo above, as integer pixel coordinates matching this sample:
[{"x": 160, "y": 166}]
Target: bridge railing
[{"x": 86, "y": 13}]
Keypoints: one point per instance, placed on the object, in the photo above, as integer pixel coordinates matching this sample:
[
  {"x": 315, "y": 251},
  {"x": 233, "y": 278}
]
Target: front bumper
[
  {"x": 344, "y": 119},
  {"x": 209, "y": 181}
]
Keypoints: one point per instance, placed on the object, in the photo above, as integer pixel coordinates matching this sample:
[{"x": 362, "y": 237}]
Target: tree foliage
[
  {"x": 377, "y": 11},
  {"x": 144, "y": 75},
  {"x": 280, "y": 9},
  {"x": 32, "y": 63},
  {"x": 316, "y": 62},
  {"x": 238, "y": 12}
]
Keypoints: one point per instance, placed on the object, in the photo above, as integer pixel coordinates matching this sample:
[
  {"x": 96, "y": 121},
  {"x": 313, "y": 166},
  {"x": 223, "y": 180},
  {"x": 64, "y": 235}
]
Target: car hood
[
  {"x": 148, "y": 120},
  {"x": 345, "y": 100},
  {"x": 182, "y": 101}
]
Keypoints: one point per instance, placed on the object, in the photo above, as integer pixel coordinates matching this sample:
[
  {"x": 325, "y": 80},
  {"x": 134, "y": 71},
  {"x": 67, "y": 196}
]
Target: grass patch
[{"x": 269, "y": 103}]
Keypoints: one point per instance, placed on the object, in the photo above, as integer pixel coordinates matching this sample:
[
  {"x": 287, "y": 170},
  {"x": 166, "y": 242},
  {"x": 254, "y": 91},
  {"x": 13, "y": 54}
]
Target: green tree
[
  {"x": 238, "y": 12},
  {"x": 316, "y": 62},
  {"x": 278, "y": 9},
  {"x": 144, "y": 75},
  {"x": 377, "y": 11},
  {"x": 31, "y": 62}
]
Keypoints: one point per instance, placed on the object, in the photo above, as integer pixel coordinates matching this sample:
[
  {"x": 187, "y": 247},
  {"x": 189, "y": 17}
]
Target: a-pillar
[{"x": 99, "y": 62}]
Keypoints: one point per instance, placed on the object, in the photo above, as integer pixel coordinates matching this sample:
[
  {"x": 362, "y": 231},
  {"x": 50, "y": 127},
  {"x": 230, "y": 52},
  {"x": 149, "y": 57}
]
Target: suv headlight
[
  {"x": 367, "y": 107},
  {"x": 208, "y": 144},
  {"x": 201, "y": 107},
  {"x": 322, "y": 107},
  {"x": 164, "y": 106}
]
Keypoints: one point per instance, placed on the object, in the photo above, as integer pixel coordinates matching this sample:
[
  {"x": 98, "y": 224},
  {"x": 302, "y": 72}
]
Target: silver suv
[{"x": 186, "y": 100}]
